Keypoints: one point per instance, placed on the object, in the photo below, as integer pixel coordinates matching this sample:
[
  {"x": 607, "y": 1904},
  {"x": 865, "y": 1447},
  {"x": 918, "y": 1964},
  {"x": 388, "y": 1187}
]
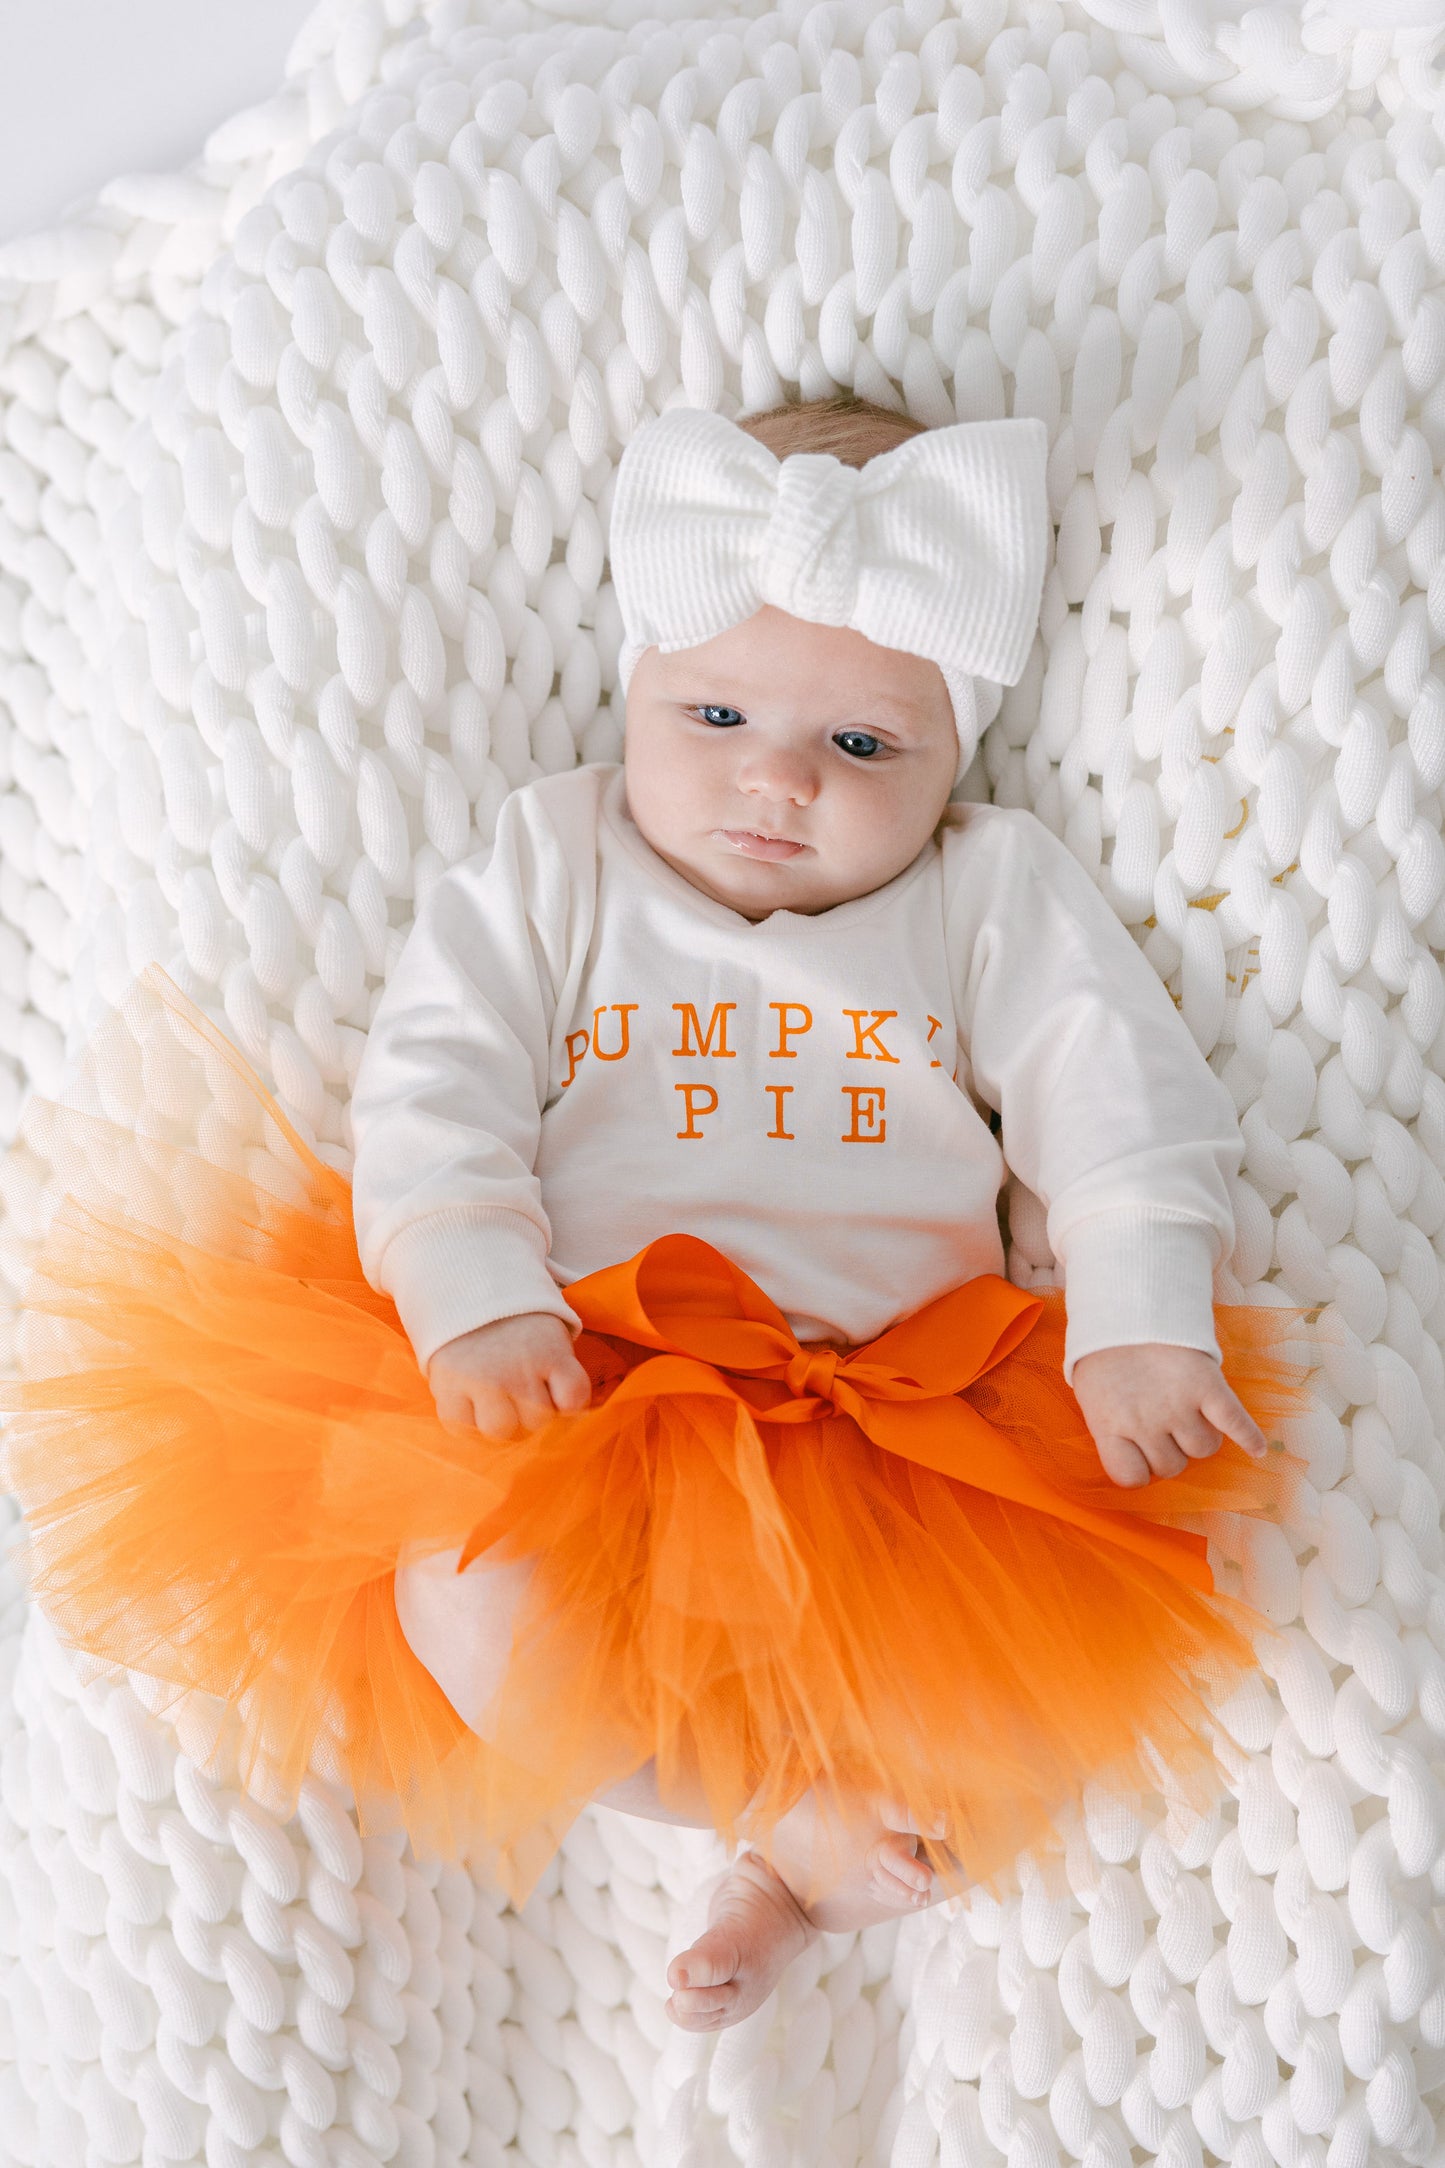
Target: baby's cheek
[
  {"x": 883, "y": 817},
  {"x": 696, "y": 776},
  {"x": 663, "y": 783}
]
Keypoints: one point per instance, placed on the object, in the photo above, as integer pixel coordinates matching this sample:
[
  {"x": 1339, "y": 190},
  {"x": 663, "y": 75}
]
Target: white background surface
[{"x": 93, "y": 88}]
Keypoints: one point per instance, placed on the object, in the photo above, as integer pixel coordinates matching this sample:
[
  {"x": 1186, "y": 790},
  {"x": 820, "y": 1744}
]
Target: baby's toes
[
  {"x": 700, "y": 2009},
  {"x": 709, "y": 1964},
  {"x": 898, "y": 1877}
]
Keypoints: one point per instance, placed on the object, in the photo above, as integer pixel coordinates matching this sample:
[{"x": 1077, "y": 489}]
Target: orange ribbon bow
[{"x": 713, "y": 1331}]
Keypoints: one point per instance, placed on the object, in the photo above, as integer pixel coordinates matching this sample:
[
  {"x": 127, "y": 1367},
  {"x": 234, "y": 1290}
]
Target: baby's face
[{"x": 787, "y": 766}]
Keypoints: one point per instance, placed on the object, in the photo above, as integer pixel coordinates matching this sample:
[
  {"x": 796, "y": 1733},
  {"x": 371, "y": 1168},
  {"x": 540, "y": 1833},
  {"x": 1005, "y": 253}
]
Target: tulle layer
[{"x": 897, "y": 1570}]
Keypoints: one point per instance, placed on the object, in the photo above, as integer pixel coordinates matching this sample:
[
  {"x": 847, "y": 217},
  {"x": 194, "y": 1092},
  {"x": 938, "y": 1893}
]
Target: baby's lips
[{"x": 750, "y": 844}]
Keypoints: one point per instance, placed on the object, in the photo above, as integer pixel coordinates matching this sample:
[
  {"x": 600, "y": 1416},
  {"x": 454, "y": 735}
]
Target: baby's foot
[{"x": 756, "y": 1927}]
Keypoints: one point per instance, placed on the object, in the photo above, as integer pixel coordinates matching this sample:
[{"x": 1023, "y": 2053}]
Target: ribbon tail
[{"x": 954, "y": 1440}]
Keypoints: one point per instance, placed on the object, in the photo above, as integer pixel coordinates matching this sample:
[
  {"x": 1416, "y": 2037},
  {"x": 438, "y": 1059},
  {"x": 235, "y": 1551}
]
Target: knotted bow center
[
  {"x": 813, "y": 1371},
  {"x": 810, "y": 557},
  {"x": 696, "y": 1323}
]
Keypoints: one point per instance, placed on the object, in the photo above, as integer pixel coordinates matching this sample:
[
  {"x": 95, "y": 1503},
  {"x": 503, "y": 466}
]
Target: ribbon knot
[
  {"x": 813, "y": 1371},
  {"x": 809, "y": 563}
]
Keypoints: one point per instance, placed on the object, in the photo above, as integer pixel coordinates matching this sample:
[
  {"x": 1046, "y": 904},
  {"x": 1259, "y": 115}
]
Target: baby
[{"x": 765, "y": 985}]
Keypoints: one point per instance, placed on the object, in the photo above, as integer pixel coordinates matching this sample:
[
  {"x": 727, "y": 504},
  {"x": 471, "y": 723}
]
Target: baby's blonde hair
[{"x": 852, "y": 429}]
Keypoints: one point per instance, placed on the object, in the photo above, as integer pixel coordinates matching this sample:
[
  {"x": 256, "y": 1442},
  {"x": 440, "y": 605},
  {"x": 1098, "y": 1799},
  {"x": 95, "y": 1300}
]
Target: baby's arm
[
  {"x": 446, "y": 1117},
  {"x": 1115, "y": 1120}
]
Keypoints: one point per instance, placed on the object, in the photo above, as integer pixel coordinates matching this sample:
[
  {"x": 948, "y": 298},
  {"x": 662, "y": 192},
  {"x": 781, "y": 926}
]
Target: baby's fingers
[
  {"x": 570, "y": 1386},
  {"x": 496, "y": 1414},
  {"x": 1164, "y": 1456},
  {"x": 532, "y": 1400},
  {"x": 1195, "y": 1438},
  {"x": 455, "y": 1416},
  {"x": 458, "y": 1410},
  {"x": 1123, "y": 1463},
  {"x": 1223, "y": 1406}
]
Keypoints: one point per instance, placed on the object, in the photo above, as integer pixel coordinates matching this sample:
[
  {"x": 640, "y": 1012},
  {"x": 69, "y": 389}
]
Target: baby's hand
[
  {"x": 508, "y": 1377},
  {"x": 1152, "y": 1408}
]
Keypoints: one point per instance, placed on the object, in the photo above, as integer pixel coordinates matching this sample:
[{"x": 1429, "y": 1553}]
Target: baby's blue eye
[
  {"x": 860, "y": 743},
  {"x": 723, "y": 718}
]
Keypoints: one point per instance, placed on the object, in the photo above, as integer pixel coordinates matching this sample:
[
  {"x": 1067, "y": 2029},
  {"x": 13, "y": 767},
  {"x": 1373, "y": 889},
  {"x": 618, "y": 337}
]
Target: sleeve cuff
[
  {"x": 1136, "y": 1276},
  {"x": 468, "y": 1266}
]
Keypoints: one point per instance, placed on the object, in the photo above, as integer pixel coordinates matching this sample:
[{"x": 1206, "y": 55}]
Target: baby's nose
[{"x": 776, "y": 773}]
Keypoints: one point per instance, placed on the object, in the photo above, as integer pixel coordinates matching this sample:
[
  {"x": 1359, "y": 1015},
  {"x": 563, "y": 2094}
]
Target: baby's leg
[
  {"x": 459, "y": 1625},
  {"x": 827, "y": 1874}
]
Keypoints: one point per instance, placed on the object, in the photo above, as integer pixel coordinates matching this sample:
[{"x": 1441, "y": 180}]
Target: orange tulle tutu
[{"x": 893, "y": 1570}]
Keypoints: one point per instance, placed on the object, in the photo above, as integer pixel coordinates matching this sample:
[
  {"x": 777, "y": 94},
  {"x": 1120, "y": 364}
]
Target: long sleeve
[
  {"x": 1110, "y": 1114},
  {"x": 446, "y": 1110}
]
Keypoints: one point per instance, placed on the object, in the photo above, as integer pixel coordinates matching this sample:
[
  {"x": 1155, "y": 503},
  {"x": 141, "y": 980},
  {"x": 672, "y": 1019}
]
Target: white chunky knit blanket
[{"x": 304, "y": 466}]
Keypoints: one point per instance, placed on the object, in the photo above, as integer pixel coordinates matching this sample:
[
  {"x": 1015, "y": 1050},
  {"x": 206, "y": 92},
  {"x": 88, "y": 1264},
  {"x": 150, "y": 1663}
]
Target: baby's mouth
[{"x": 750, "y": 844}]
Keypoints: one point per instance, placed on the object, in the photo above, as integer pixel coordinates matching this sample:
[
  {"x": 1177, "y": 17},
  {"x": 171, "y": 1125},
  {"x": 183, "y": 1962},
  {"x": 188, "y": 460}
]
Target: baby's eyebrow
[
  {"x": 885, "y": 714},
  {"x": 878, "y": 702}
]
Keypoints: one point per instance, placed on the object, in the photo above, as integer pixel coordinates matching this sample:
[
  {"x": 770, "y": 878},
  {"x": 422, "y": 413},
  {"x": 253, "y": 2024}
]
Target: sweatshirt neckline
[{"x": 621, "y": 824}]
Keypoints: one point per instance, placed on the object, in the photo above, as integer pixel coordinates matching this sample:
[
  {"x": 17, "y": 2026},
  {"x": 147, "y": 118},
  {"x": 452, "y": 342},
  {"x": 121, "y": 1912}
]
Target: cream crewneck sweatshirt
[{"x": 578, "y": 1051}]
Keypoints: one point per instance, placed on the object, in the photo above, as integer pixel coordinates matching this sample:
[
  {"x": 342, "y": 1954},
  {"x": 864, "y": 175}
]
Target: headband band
[{"x": 937, "y": 547}]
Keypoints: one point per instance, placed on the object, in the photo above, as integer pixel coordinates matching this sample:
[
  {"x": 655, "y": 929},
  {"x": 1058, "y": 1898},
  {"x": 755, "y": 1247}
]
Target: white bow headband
[{"x": 937, "y": 547}]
